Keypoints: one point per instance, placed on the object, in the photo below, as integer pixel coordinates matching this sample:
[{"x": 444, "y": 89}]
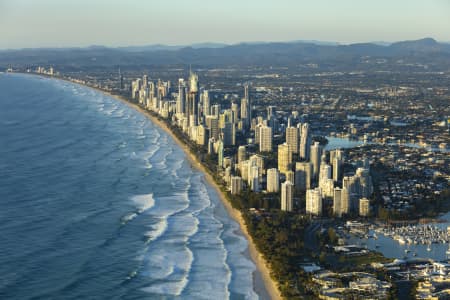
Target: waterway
[{"x": 392, "y": 249}]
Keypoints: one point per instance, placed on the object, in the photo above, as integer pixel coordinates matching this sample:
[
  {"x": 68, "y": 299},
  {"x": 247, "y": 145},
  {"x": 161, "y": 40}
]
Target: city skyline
[{"x": 50, "y": 23}]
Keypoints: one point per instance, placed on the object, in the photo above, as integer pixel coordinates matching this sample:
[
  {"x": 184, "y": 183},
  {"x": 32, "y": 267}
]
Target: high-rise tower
[
  {"x": 284, "y": 158},
  {"x": 305, "y": 142},
  {"x": 273, "y": 180},
  {"x": 287, "y": 196},
  {"x": 193, "y": 98},
  {"x": 316, "y": 154},
  {"x": 120, "y": 80},
  {"x": 181, "y": 97},
  {"x": 265, "y": 139},
  {"x": 292, "y": 137}
]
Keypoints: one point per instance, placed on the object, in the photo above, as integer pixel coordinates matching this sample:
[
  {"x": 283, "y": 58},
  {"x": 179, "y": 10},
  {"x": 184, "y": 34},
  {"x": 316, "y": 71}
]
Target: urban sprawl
[{"x": 310, "y": 164}]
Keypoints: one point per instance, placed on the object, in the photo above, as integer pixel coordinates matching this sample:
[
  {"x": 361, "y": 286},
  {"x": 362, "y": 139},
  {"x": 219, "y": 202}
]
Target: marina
[
  {"x": 427, "y": 241},
  {"x": 413, "y": 234}
]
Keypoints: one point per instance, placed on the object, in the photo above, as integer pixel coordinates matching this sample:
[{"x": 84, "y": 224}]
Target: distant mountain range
[{"x": 255, "y": 53}]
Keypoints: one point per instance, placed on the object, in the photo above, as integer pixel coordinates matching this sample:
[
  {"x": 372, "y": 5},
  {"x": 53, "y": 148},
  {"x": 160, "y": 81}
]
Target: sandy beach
[{"x": 270, "y": 289}]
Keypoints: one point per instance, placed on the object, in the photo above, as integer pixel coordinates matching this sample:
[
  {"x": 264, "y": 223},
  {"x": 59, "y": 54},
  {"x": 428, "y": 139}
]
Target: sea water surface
[{"x": 98, "y": 202}]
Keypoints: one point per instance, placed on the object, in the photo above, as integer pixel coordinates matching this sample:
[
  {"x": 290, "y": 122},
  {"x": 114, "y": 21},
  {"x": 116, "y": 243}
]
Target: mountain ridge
[{"x": 264, "y": 53}]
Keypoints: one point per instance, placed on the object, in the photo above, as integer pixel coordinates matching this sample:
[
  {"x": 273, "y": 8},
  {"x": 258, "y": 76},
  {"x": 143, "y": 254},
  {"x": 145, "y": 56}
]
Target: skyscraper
[
  {"x": 249, "y": 103},
  {"x": 365, "y": 182},
  {"x": 336, "y": 159},
  {"x": 337, "y": 202},
  {"x": 314, "y": 202},
  {"x": 305, "y": 142},
  {"x": 270, "y": 112},
  {"x": 181, "y": 97},
  {"x": 273, "y": 180},
  {"x": 236, "y": 185},
  {"x": 284, "y": 158},
  {"x": 220, "y": 153},
  {"x": 242, "y": 154},
  {"x": 303, "y": 175},
  {"x": 234, "y": 112},
  {"x": 345, "y": 201},
  {"x": 287, "y": 196},
  {"x": 290, "y": 176},
  {"x": 206, "y": 103},
  {"x": 326, "y": 183},
  {"x": 211, "y": 145},
  {"x": 120, "y": 80},
  {"x": 229, "y": 134},
  {"x": 316, "y": 154},
  {"x": 246, "y": 95},
  {"x": 265, "y": 139},
  {"x": 215, "y": 110},
  {"x": 243, "y": 168},
  {"x": 145, "y": 81},
  {"x": 202, "y": 135},
  {"x": 325, "y": 172},
  {"x": 193, "y": 99},
  {"x": 292, "y": 138},
  {"x": 257, "y": 160},
  {"x": 258, "y": 133},
  {"x": 212, "y": 122},
  {"x": 254, "y": 178},
  {"x": 246, "y": 114}
]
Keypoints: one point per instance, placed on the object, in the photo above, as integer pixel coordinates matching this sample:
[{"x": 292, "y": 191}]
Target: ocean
[{"x": 97, "y": 202}]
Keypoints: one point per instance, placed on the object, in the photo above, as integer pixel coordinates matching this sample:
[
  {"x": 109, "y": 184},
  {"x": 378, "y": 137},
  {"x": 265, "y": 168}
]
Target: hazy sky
[{"x": 62, "y": 23}]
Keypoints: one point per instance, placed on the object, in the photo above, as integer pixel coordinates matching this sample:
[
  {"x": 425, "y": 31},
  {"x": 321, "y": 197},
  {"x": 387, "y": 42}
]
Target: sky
[{"x": 80, "y": 23}]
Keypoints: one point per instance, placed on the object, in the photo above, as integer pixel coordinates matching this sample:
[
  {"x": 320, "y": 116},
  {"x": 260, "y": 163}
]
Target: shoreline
[
  {"x": 260, "y": 263},
  {"x": 262, "y": 273}
]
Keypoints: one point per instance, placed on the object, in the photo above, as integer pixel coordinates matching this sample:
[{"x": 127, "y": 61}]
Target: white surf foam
[
  {"x": 209, "y": 251},
  {"x": 128, "y": 217},
  {"x": 157, "y": 230},
  {"x": 143, "y": 202}
]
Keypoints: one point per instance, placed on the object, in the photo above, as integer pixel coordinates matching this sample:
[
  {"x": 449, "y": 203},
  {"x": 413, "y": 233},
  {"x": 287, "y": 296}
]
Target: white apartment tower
[
  {"x": 265, "y": 139},
  {"x": 314, "y": 202},
  {"x": 284, "y": 158},
  {"x": 292, "y": 138},
  {"x": 273, "y": 180}
]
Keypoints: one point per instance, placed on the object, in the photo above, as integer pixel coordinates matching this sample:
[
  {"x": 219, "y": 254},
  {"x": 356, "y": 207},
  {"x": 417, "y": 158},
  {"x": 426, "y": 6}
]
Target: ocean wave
[
  {"x": 111, "y": 109},
  {"x": 209, "y": 249},
  {"x": 160, "y": 158},
  {"x": 142, "y": 203},
  {"x": 147, "y": 166},
  {"x": 119, "y": 113},
  {"x": 177, "y": 164},
  {"x": 172, "y": 288},
  {"x": 128, "y": 217},
  {"x": 241, "y": 268},
  {"x": 168, "y": 261},
  {"x": 158, "y": 230},
  {"x": 168, "y": 265},
  {"x": 146, "y": 156}
]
